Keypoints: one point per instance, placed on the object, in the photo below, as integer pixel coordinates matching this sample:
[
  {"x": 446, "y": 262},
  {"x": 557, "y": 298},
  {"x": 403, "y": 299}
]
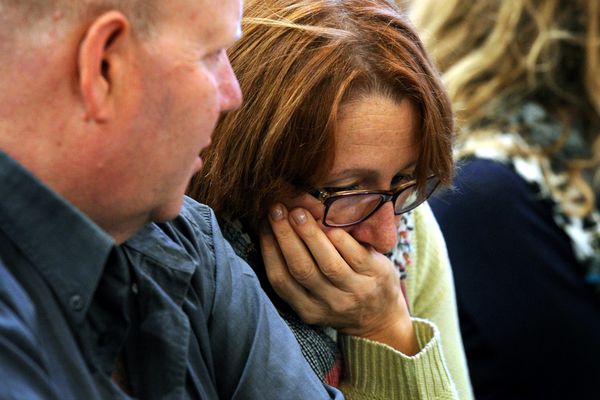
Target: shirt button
[{"x": 76, "y": 302}]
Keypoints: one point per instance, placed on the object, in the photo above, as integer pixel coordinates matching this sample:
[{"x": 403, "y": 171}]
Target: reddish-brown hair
[{"x": 297, "y": 62}]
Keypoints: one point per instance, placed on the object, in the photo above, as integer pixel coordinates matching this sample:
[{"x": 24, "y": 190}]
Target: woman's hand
[{"x": 330, "y": 279}]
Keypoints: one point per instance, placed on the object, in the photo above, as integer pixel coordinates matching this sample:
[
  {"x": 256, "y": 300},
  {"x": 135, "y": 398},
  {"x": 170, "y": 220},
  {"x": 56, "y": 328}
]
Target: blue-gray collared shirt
[{"x": 183, "y": 313}]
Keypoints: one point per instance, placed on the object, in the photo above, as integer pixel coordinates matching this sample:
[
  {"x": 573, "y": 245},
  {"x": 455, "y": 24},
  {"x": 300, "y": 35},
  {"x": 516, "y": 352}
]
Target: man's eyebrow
[
  {"x": 238, "y": 33},
  {"x": 228, "y": 42}
]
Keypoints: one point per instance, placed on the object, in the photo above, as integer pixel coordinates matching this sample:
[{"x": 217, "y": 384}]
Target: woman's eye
[
  {"x": 399, "y": 180},
  {"x": 340, "y": 188}
]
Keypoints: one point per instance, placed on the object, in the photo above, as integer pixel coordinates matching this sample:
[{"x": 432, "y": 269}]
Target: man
[{"x": 104, "y": 107}]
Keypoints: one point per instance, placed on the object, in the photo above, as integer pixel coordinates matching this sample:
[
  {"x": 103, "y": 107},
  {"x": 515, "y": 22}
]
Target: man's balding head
[
  {"x": 29, "y": 13},
  {"x": 109, "y": 102}
]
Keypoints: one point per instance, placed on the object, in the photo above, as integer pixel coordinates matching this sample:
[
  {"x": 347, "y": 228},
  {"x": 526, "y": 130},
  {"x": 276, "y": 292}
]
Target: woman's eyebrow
[
  {"x": 352, "y": 173},
  {"x": 409, "y": 167},
  {"x": 368, "y": 173}
]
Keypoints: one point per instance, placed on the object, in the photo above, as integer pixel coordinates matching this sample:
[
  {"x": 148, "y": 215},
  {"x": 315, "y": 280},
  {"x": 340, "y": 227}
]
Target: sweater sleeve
[
  {"x": 377, "y": 371},
  {"x": 431, "y": 294}
]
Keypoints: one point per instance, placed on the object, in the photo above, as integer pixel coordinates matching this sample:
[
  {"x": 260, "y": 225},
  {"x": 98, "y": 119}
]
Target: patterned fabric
[
  {"x": 402, "y": 255},
  {"x": 525, "y": 130},
  {"x": 318, "y": 344}
]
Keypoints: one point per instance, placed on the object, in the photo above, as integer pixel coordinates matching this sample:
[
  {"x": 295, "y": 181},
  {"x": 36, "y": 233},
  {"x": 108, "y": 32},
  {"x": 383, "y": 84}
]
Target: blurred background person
[
  {"x": 522, "y": 225},
  {"x": 346, "y": 118}
]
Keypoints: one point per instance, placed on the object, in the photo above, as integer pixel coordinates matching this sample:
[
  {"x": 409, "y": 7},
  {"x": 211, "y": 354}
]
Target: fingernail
[
  {"x": 276, "y": 213},
  {"x": 299, "y": 216}
]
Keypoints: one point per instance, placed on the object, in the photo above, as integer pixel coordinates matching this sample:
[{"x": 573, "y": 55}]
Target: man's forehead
[
  {"x": 220, "y": 20},
  {"x": 222, "y": 8}
]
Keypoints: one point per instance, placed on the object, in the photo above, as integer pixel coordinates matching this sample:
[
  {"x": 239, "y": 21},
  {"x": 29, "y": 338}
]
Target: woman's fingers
[
  {"x": 330, "y": 278},
  {"x": 308, "y": 308},
  {"x": 371, "y": 299},
  {"x": 325, "y": 255},
  {"x": 362, "y": 260},
  {"x": 284, "y": 284},
  {"x": 300, "y": 262}
]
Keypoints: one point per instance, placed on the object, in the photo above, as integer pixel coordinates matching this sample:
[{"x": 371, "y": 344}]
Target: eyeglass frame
[{"x": 328, "y": 198}]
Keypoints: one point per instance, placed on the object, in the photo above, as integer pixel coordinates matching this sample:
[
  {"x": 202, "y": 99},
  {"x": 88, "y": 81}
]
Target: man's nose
[{"x": 229, "y": 88}]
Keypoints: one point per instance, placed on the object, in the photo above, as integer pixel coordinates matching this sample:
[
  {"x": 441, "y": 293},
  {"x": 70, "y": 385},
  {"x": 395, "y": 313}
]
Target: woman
[
  {"x": 344, "y": 117},
  {"x": 523, "y": 227}
]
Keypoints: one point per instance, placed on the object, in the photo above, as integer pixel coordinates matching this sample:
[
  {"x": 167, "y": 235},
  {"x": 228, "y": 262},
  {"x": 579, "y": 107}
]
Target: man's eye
[{"x": 214, "y": 56}]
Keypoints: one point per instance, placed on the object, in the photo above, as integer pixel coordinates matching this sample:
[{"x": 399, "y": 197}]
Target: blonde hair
[
  {"x": 495, "y": 54},
  {"x": 297, "y": 63}
]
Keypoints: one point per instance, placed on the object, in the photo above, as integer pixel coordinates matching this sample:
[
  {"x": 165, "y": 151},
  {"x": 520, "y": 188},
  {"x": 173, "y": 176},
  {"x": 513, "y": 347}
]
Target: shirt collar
[
  {"x": 163, "y": 252},
  {"x": 63, "y": 244}
]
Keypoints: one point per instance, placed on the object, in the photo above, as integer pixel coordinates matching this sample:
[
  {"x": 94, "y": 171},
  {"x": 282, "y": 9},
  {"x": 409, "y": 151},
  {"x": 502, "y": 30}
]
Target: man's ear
[{"x": 99, "y": 55}]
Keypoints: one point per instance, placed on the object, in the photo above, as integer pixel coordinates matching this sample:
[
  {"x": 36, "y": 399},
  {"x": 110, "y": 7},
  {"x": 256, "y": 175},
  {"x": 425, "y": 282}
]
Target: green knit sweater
[{"x": 439, "y": 370}]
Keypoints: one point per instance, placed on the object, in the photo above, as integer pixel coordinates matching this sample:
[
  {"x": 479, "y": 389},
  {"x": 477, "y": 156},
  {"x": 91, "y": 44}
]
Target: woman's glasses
[{"x": 351, "y": 207}]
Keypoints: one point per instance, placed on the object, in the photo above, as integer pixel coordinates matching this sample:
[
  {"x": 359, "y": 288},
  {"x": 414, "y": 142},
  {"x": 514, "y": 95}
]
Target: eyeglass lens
[
  {"x": 406, "y": 199},
  {"x": 353, "y": 208},
  {"x": 349, "y": 209}
]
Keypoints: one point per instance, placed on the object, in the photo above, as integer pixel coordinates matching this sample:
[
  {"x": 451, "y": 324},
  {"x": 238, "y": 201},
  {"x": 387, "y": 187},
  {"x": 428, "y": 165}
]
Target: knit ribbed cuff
[{"x": 377, "y": 371}]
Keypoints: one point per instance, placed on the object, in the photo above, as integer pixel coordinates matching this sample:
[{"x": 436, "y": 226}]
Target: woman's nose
[{"x": 380, "y": 231}]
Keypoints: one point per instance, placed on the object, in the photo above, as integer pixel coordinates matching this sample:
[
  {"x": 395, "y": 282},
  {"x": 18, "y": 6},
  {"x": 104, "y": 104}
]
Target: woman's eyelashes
[
  {"x": 396, "y": 182},
  {"x": 401, "y": 179},
  {"x": 334, "y": 189}
]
